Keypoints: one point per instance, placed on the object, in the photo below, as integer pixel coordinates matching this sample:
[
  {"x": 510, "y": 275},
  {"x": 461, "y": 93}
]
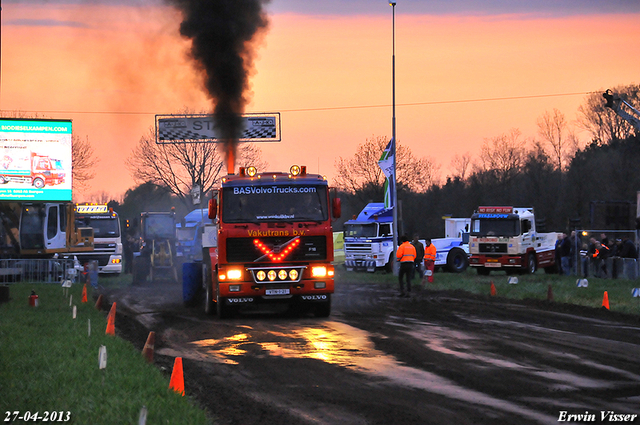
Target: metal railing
[{"x": 37, "y": 270}]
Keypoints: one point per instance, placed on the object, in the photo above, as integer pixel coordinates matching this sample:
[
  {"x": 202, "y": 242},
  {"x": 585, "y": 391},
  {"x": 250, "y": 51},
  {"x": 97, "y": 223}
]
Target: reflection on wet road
[{"x": 343, "y": 345}]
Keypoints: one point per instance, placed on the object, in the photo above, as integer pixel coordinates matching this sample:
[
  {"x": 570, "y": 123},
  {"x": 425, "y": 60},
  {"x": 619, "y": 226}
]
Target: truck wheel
[
  {"x": 389, "y": 266},
  {"x": 483, "y": 271},
  {"x": 324, "y": 309},
  {"x": 531, "y": 263},
  {"x": 207, "y": 283},
  {"x": 457, "y": 261},
  {"x": 38, "y": 183}
]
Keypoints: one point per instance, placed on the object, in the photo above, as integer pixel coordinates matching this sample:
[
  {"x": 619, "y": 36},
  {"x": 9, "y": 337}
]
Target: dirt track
[{"x": 435, "y": 358}]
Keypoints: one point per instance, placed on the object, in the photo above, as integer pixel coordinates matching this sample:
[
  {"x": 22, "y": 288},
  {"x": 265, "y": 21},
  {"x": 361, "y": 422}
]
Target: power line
[
  {"x": 439, "y": 102},
  {"x": 338, "y": 108}
]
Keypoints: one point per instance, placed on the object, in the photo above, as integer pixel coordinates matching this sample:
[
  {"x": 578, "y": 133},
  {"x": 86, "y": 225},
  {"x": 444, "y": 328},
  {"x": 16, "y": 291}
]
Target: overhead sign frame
[{"x": 200, "y": 128}]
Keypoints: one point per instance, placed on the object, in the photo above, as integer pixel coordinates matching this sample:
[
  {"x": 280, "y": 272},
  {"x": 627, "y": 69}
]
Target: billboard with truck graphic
[{"x": 35, "y": 160}]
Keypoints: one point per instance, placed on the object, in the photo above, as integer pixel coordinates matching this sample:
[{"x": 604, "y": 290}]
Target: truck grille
[
  {"x": 357, "y": 248},
  {"x": 493, "y": 248},
  {"x": 244, "y": 250}
]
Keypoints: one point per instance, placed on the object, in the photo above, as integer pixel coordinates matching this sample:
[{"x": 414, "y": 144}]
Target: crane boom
[{"x": 616, "y": 103}]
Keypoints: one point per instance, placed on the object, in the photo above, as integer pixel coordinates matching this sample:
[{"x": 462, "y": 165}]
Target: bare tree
[
  {"x": 603, "y": 123},
  {"x": 362, "y": 170},
  {"x": 460, "y": 165},
  {"x": 83, "y": 164},
  {"x": 251, "y": 155},
  {"x": 179, "y": 167},
  {"x": 559, "y": 139},
  {"x": 503, "y": 155}
]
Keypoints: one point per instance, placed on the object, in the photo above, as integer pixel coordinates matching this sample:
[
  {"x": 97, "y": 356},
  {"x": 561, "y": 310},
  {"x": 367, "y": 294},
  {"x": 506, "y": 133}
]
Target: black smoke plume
[{"x": 223, "y": 34}]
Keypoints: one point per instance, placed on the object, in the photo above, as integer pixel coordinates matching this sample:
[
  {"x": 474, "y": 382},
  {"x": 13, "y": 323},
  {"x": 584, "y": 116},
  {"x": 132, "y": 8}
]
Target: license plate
[
  {"x": 496, "y": 265},
  {"x": 277, "y": 291}
]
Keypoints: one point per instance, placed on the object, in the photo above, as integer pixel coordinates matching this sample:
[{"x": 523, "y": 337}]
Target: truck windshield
[
  {"x": 495, "y": 227},
  {"x": 160, "y": 226},
  {"x": 186, "y": 233},
  {"x": 273, "y": 203},
  {"x": 361, "y": 230},
  {"x": 31, "y": 227},
  {"x": 103, "y": 226}
]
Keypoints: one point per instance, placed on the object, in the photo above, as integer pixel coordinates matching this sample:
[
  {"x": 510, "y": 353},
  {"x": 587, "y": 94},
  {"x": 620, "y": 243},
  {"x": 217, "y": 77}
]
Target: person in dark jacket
[
  {"x": 565, "y": 255},
  {"x": 417, "y": 264},
  {"x": 627, "y": 249}
]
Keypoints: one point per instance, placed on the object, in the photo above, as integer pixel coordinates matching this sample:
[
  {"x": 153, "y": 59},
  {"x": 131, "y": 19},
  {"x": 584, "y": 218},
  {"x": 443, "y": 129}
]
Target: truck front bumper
[
  {"x": 479, "y": 260},
  {"x": 253, "y": 293},
  {"x": 361, "y": 265},
  {"x": 113, "y": 266}
]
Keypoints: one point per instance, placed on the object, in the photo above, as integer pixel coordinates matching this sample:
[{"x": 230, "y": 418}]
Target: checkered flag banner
[{"x": 200, "y": 128}]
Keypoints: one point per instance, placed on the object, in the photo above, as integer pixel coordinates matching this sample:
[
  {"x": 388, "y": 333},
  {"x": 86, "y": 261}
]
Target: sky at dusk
[{"x": 465, "y": 71}]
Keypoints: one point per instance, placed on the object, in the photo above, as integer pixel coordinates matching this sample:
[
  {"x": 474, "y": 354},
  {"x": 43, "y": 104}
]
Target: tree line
[{"x": 554, "y": 173}]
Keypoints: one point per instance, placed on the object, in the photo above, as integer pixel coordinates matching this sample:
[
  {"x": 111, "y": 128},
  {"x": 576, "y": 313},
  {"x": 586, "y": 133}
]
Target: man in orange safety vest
[
  {"x": 406, "y": 255},
  {"x": 429, "y": 260}
]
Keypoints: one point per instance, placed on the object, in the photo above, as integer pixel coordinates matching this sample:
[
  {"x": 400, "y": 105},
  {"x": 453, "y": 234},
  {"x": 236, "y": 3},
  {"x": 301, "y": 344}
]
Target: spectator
[
  {"x": 600, "y": 256},
  {"x": 627, "y": 249},
  {"x": 565, "y": 255},
  {"x": 558, "y": 254},
  {"x": 417, "y": 265},
  {"x": 575, "y": 249}
]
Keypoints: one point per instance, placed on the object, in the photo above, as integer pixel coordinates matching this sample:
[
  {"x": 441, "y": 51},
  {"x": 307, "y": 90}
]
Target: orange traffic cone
[
  {"x": 147, "y": 351},
  {"x": 84, "y": 293},
  {"x": 99, "y": 302},
  {"x": 549, "y": 293},
  {"x": 605, "y": 300},
  {"x": 493, "y": 289},
  {"x": 177, "y": 380},
  {"x": 111, "y": 319}
]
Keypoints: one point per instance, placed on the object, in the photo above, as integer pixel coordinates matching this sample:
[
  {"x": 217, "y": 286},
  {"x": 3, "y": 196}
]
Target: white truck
[
  {"x": 368, "y": 242},
  {"x": 107, "y": 237},
  {"x": 505, "y": 238},
  {"x": 452, "y": 251},
  {"x": 368, "y": 239}
]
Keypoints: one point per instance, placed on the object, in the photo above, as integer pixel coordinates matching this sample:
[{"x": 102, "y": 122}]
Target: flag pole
[{"x": 394, "y": 193}]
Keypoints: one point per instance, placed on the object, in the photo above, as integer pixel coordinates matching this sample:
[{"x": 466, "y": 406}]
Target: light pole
[{"x": 392, "y": 183}]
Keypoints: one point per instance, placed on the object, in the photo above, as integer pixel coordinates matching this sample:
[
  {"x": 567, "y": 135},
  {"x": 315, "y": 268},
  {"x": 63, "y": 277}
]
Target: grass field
[
  {"x": 536, "y": 286},
  {"x": 49, "y": 363}
]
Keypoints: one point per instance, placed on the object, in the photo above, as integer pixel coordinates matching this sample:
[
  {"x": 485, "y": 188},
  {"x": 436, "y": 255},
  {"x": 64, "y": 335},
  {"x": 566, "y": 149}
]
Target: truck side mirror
[
  {"x": 213, "y": 209},
  {"x": 336, "y": 207}
]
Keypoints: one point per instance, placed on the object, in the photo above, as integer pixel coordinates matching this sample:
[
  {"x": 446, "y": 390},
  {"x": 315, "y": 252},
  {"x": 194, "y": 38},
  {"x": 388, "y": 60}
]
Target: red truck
[
  {"x": 271, "y": 242},
  {"x": 36, "y": 170}
]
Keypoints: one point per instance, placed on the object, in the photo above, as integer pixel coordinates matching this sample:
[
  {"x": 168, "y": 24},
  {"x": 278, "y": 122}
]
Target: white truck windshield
[
  {"x": 361, "y": 230},
  {"x": 495, "y": 227}
]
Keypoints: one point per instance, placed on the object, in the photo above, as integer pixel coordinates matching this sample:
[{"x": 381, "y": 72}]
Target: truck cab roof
[{"x": 373, "y": 212}]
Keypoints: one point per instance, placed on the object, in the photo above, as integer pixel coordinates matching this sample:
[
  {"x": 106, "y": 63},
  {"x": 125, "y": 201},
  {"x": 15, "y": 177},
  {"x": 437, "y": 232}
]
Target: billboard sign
[
  {"x": 35, "y": 160},
  {"x": 199, "y": 128}
]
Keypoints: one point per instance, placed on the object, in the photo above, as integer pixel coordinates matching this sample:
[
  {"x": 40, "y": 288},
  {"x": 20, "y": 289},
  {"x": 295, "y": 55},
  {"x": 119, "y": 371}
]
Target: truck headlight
[
  {"x": 234, "y": 274},
  {"x": 319, "y": 271}
]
